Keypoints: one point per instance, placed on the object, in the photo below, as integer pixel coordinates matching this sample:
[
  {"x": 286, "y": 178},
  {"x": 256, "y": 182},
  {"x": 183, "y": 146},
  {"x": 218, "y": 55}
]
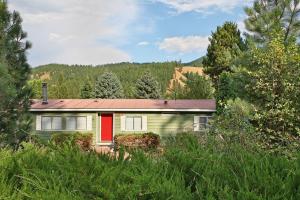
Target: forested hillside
[{"x": 65, "y": 81}]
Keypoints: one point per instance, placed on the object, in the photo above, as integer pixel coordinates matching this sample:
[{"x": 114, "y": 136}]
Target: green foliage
[
  {"x": 86, "y": 91},
  {"x": 235, "y": 120},
  {"x": 232, "y": 85},
  {"x": 60, "y": 89},
  {"x": 108, "y": 86},
  {"x": 147, "y": 87},
  {"x": 83, "y": 140},
  {"x": 266, "y": 16},
  {"x": 128, "y": 74},
  {"x": 275, "y": 71},
  {"x": 196, "y": 87},
  {"x": 36, "y": 88},
  {"x": 186, "y": 170},
  {"x": 225, "y": 46},
  {"x": 14, "y": 71}
]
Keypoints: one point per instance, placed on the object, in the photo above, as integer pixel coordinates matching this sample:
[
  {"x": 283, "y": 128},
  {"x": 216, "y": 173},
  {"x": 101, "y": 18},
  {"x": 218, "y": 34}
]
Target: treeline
[{"x": 66, "y": 81}]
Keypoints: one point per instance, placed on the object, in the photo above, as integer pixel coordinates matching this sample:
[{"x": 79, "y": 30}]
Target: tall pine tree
[
  {"x": 86, "y": 91},
  {"x": 266, "y": 16},
  {"x": 147, "y": 87},
  {"x": 225, "y": 46},
  {"x": 14, "y": 120},
  {"x": 108, "y": 86}
]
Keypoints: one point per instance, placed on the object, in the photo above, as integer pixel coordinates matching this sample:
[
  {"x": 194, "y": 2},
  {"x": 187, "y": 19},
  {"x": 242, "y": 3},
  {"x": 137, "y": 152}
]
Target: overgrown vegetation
[{"x": 186, "y": 170}]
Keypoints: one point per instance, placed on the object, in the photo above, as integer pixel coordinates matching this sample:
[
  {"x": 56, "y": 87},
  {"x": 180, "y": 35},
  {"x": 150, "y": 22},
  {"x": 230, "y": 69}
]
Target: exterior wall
[
  {"x": 47, "y": 134},
  {"x": 163, "y": 124}
]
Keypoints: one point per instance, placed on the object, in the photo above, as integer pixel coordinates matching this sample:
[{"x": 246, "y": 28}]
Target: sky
[{"x": 94, "y": 32}]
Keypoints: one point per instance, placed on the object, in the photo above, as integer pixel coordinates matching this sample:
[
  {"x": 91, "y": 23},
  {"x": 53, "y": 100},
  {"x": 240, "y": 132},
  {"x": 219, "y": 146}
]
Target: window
[
  {"x": 201, "y": 122},
  {"x": 76, "y": 123},
  {"x": 133, "y": 123},
  {"x": 51, "y": 123}
]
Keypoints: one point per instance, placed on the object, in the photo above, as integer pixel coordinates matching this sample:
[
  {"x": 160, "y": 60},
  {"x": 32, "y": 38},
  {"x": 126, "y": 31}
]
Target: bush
[
  {"x": 83, "y": 141},
  {"x": 144, "y": 141},
  {"x": 235, "y": 120}
]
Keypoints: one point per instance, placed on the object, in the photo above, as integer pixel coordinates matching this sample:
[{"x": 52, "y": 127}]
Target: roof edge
[{"x": 120, "y": 110}]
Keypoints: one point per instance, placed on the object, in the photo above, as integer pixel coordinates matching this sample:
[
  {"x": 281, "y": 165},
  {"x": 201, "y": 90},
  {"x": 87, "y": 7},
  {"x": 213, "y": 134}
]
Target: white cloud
[
  {"x": 77, "y": 31},
  {"x": 143, "y": 43},
  {"x": 187, "y": 44},
  {"x": 203, "y": 6}
]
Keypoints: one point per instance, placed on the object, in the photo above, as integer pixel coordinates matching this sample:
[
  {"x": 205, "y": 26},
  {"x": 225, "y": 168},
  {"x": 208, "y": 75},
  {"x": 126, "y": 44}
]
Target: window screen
[
  {"x": 70, "y": 123},
  {"x": 81, "y": 123},
  {"x": 46, "y": 123},
  {"x": 56, "y": 123}
]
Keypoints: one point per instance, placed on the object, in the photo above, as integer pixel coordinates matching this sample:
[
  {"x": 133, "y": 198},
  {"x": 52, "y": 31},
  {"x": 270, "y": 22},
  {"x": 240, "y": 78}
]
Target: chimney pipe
[{"x": 45, "y": 93}]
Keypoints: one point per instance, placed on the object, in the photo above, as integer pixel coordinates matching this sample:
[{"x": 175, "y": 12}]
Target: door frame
[{"x": 98, "y": 129}]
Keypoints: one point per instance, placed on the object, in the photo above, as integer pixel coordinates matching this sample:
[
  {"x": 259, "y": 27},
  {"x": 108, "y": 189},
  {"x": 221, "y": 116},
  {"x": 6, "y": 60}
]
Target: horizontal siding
[{"x": 162, "y": 124}]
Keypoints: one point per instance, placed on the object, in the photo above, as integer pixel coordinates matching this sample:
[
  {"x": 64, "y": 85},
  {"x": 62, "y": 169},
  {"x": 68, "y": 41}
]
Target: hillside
[
  {"x": 179, "y": 75},
  {"x": 69, "y": 79},
  {"x": 196, "y": 63}
]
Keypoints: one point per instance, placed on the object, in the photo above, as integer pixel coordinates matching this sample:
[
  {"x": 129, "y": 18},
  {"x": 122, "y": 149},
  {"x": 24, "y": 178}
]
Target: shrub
[
  {"x": 83, "y": 141},
  {"x": 235, "y": 120},
  {"x": 186, "y": 170},
  {"x": 144, "y": 141}
]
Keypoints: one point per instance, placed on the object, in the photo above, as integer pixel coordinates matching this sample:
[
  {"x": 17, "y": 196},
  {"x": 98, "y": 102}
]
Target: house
[{"x": 106, "y": 118}]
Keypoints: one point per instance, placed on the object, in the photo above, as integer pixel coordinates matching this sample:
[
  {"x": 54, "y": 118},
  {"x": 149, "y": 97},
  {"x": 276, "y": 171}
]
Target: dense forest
[{"x": 65, "y": 81}]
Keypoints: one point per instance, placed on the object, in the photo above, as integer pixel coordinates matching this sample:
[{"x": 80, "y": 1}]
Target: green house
[{"x": 106, "y": 118}]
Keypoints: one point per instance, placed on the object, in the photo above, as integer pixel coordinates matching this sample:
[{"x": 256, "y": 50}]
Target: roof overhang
[{"x": 116, "y": 110}]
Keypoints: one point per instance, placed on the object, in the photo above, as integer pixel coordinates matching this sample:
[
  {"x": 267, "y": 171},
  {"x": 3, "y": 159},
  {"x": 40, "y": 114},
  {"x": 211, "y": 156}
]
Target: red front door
[{"x": 106, "y": 127}]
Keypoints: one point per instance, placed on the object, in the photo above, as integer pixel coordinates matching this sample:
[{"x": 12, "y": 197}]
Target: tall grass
[{"x": 186, "y": 170}]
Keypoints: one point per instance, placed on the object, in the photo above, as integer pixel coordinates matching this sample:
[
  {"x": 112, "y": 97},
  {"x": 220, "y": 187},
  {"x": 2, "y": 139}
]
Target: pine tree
[
  {"x": 108, "y": 86},
  {"x": 225, "y": 46},
  {"x": 268, "y": 15},
  {"x": 86, "y": 91},
  {"x": 147, "y": 87},
  {"x": 14, "y": 119}
]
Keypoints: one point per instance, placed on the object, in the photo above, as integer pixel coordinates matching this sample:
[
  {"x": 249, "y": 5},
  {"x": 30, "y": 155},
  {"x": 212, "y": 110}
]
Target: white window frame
[
  {"x": 76, "y": 122},
  {"x": 133, "y": 116},
  {"x": 200, "y": 125},
  {"x": 51, "y": 118}
]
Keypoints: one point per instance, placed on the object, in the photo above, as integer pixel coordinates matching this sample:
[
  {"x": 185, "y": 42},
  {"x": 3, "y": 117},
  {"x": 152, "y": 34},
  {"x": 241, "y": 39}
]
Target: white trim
[
  {"x": 198, "y": 122},
  {"x": 121, "y": 110}
]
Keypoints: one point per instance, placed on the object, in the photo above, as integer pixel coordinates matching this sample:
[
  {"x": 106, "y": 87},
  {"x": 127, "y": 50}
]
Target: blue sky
[{"x": 100, "y": 31}]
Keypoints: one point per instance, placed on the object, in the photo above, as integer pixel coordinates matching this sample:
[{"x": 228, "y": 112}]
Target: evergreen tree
[
  {"x": 86, "y": 91},
  {"x": 36, "y": 87},
  {"x": 225, "y": 46},
  {"x": 14, "y": 120},
  {"x": 147, "y": 87},
  {"x": 195, "y": 87},
  {"x": 108, "y": 86},
  {"x": 268, "y": 15}
]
